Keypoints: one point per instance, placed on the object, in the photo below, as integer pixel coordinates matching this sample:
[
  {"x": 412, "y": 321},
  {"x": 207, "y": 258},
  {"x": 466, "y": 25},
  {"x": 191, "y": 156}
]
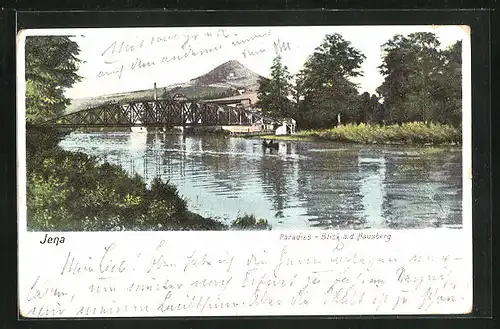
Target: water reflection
[
  {"x": 298, "y": 185},
  {"x": 425, "y": 187},
  {"x": 275, "y": 177},
  {"x": 371, "y": 168},
  {"x": 330, "y": 186}
]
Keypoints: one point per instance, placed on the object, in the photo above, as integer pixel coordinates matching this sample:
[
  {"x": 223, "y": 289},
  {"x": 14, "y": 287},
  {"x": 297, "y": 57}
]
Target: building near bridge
[{"x": 245, "y": 100}]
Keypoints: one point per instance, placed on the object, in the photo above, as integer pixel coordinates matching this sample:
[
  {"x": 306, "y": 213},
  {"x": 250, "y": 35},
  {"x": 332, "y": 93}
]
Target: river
[{"x": 302, "y": 185}]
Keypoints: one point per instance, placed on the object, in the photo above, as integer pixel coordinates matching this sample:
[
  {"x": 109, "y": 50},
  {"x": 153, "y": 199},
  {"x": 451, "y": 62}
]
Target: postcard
[{"x": 244, "y": 171}]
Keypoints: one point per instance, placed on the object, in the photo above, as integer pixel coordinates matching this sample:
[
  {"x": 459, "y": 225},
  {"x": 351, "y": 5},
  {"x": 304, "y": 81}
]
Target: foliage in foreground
[
  {"x": 249, "y": 222},
  {"x": 51, "y": 67},
  {"x": 71, "y": 192},
  {"x": 406, "y": 133}
]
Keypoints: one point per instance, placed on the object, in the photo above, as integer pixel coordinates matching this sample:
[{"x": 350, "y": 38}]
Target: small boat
[{"x": 270, "y": 144}]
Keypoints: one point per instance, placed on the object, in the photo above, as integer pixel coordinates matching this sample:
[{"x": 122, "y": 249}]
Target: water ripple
[{"x": 300, "y": 185}]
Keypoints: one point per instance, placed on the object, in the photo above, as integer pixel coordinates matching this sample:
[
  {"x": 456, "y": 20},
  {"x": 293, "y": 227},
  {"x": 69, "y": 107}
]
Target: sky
[{"x": 121, "y": 60}]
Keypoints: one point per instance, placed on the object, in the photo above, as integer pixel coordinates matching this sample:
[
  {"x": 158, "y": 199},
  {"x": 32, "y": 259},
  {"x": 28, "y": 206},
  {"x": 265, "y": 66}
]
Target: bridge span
[{"x": 163, "y": 113}]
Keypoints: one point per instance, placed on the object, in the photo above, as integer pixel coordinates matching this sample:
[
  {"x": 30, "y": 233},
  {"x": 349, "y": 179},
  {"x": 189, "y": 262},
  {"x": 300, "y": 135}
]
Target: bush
[
  {"x": 39, "y": 139},
  {"x": 406, "y": 133},
  {"x": 46, "y": 207},
  {"x": 159, "y": 210},
  {"x": 249, "y": 222},
  {"x": 160, "y": 190}
]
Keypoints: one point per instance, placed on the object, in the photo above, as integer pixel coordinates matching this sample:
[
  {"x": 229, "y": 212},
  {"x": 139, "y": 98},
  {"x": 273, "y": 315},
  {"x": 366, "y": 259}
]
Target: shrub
[
  {"x": 406, "y": 133},
  {"x": 46, "y": 203},
  {"x": 160, "y": 210},
  {"x": 249, "y": 222}
]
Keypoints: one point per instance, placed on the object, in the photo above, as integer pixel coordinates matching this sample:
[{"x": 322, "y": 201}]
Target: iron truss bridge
[{"x": 161, "y": 113}]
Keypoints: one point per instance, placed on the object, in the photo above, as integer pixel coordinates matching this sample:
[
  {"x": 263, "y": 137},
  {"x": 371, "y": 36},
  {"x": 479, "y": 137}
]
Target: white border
[{"x": 460, "y": 240}]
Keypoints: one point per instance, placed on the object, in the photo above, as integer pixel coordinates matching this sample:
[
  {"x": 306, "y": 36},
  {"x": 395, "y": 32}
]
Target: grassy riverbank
[
  {"x": 69, "y": 191},
  {"x": 413, "y": 133}
]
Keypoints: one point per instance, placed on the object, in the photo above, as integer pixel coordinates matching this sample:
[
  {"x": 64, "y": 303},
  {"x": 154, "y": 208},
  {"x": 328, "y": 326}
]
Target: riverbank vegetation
[
  {"x": 249, "y": 222},
  {"x": 406, "y": 133},
  {"x": 413, "y": 133}
]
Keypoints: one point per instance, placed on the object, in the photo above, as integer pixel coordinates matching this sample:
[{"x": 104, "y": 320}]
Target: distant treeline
[
  {"x": 199, "y": 92},
  {"x": 422, "y": 83}
]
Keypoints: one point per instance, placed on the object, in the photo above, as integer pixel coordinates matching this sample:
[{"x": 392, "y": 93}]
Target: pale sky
[{"x": 102, "y": 55}]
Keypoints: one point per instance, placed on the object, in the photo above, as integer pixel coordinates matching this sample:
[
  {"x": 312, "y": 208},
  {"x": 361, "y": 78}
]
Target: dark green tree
[
  {"x": 447, "y": 88},
  {"x": 416, "y": 78},
  {"x": 51, "y": 68},
  {"x": 297, "y": 91},
  {"x": 397, "y": 67},
  {"x": 364, "y": 110},
  {"x": 274, "y": 92},
  {"x": 377, "y": 112},
  {"x": 329, "y": 94}
]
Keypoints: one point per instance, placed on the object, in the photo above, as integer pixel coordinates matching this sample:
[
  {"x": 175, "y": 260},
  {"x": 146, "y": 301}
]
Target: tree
[
  {"x": 273, "y": 93},
  {"x": 297, "y": 91},
  {"x": 51, "y": 68},
  {"x": 328, "y": 92},
  {"x": 378, "y": 111},
  {"x": 364, "y": 109},
  {"x": 418, "y": 78},
  {"x": 447, "y": 90}
]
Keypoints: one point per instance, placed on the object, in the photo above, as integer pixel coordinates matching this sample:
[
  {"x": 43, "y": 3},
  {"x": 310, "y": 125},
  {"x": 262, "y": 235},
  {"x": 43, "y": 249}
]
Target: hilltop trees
[
  {"x": 51, "y": 67},
  {"x": 329, "y": 96},
  {"x": 422, "y": 82},
  {"x": 273, "y": 93}
]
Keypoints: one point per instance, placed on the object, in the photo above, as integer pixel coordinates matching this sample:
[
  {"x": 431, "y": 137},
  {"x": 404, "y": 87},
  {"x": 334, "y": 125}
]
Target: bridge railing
[{"x": 163, "y": 112}]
